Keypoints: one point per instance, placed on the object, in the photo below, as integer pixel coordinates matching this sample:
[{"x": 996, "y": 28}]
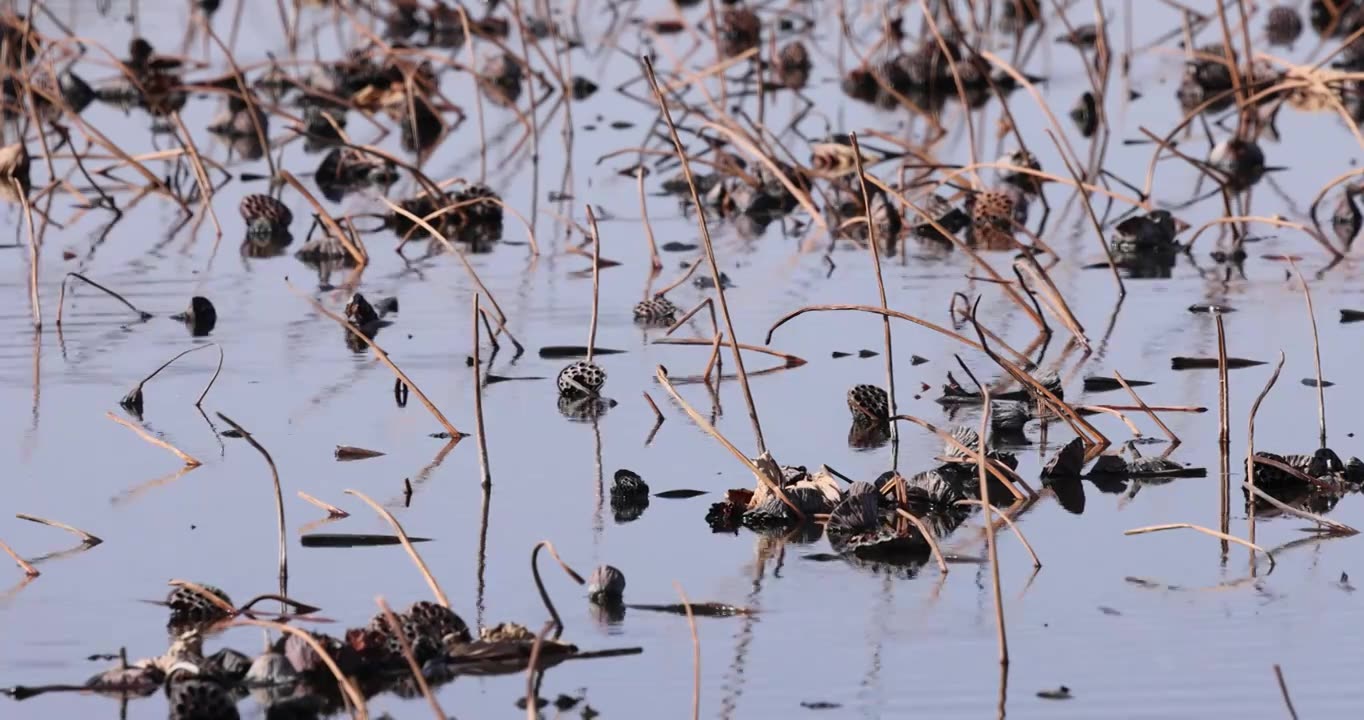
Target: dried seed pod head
[
  {"x": 1242, "y": 162},
  {"x": 201, "y": 317},
  {"x": 75, "y": 90},
  {"x": 993, "y": 213},
  {"x": 441, "y": 622},
  {"x": 1283, "y": 25},
  {"x": 139, "y": 52},
  {"x": 1085, "y": 114},
  {"x": 360, "y": 312},
  {"x": 860, "y": 84},
  {"x": 1067, "y": 462},
  {"x": 628, "y": 485},
  {"x": 1030, "y": 184},
  {"x": 869, "y": 403},
  {"x": 740, "y": 31},
  {"x": 657, "y": 310},
  {"x": 793, "y": 65},
  {"x": 581, "y": 379},
  {"x": 606, "y": 585},
  {"x": 265, "y": 216},
  {"x": 132, "y": 402},
  {"x": 192, "y": 698},
  {"x": 190, "y": 608}
]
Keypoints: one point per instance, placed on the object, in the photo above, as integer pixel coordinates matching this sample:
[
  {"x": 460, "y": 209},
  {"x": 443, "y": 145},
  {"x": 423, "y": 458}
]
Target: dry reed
[
  {"x": 279, "y": 496},
  {"x": 395, "y": 628},
  {"x": 1206, "y": 531},
  {"x": 142, "y": 433},
  {"x": 86, "y": 538},
  {"x": 407, "y": 545}
]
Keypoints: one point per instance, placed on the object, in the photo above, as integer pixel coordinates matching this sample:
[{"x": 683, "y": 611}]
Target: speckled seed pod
[
  {"x": 657, "y": 310},
  {"x": 188, "y": 607},
  {"x": 1283, "y": 25},
  {"x": 581, "y": 379},
  {"x": 606, "y": 585},
  {"x": 868, "y": 403},
  {"x": 740, "y": 30},
  {"x": 195, "y": 699},
  {"x": 992, "y": 216},
  {"x": 793, "y": 65},
  {"x": 629, "y": 486},
  {"x": 264, "y": 215}
]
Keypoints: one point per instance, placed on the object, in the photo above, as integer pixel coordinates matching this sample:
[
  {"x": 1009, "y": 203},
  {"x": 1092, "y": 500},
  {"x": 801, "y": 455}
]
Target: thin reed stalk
[
  {"x": 540, "y": 585},
  {"x": 596, "y": 282},
  {"x": 532, "y": 706},
  {"x": 1250, "y": 437},
  {"x": 1205, "y": 531},
  {"x": 407, "y": 545},
  {"x": 1008, "y": 478},
  {"x": 395, "y": 628},
  {"x": 61, "y": 296},
  {"x": 654, "y": 260},
  {"x": 874, "y": 246},
  {"x": 1283, "y": 690},
  {"x": 1036, "y": 563},
  {"x": 710, "y": 254},
  {"x": 992, "y": 549},
  {"x": 695, "y": 654},
  {"x": 356, "y": 252},
  {"x": 86, "y": 538},
  {"x": 928, "y": 536},
  {"x": 279, "y": 496},
  {"x": 1093, "y": 217},
  {"x": 479, "y": 426},
  {"x": 1316, "y": 351},
  {"x": 35, "y": 304},
  {"x": 216, "y": 371},
  {"x": 333, "y": 512},
  {"x": 353, "y": 696},
  {"x": 1174, "y": 439},
  {"x": 891, "y": 313},
  {"x": 142, "y": 433},
  {"x": 453, "y": 433},
  {"x": 1326, "y": 524},
  {"x": 29, "y": 570}
]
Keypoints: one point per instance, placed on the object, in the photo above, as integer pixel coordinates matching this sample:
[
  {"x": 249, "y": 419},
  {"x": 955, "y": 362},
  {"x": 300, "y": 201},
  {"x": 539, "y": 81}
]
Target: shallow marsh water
[{"x": 1200, "y": 637}]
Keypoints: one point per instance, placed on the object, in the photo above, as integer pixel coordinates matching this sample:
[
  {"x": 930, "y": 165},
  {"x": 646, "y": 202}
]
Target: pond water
[{"x": 1160, "y": 625}]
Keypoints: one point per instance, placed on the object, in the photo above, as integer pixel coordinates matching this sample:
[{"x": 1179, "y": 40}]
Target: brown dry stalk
[
  {"x": 875, "y": 249},
  {"x": 1250, "y": 438},
  {"x": 789, "y": 359},
  {"x": 395, "y": 627},
  {"x": 407, "y": 545},
  {"x": 1283, "y": 689},
  {"x": 279, "y": 495},
  {"x": 179, "y": 355},
  {"x": 709, "y": 429},
  {"x": 459, "y": 253},
  {"x": 61, "y": 296},
  {"x": 356, "y": 252},
  {"x": 1316, "y": 350},
  {"x": 710, "y": 254},
  {"x": 1001, "y": 472},
  {"x": 1174, "y": 439},
  {"x": 883, "y": 311},
  {"x": 29, "y": 570},
  {"x": 383, "y": 357},
  {"x": 200, "y": 175},
  {"x": 1012, "y": 526},
  {"x": 34, "y": 303},
  {"x": 142, "y": 433},
  {"x": 1276, "y": 222},
  {"x": 333, "y": 512},
  {"x": 532, "y": 708},
  {"x": 596, "y": 282},
  {"x": 1327, "y": 524},
  {"x": 200, "y": 402},
  {"x": 992, "y": 549},
  {"x": 540, "y": 585},
  {"x": 1223, "y": 387},
  {"x": 1205, "y": 531},
  {"x": 357, "y": 701},
  {"x": 502, "y": 328},
  {"x": 86, "y": 538},
  {"x": 928, "y": 535},
  {"x": 1093, "y": 217},
  {"x": 695, "y": 654},
  {"x": 654, "y": 261},
  {"x": 478, "y": 404}
]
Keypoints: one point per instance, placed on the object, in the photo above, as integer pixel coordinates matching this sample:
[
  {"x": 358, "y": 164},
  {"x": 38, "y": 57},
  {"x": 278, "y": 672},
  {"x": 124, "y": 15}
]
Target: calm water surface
[{"x": 1200, "y": 638}]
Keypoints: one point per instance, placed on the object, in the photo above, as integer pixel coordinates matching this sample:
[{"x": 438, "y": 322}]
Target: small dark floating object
[
  {"x": 583, "y": 88},
  {"x": 347, "y": 452},
  {"x": 606, "y": 585},
  {"x": 1349, "y": 316},
  {"x": 1098, "y": 383},
  {"x": 916, "y": 360},
  {"x": 706, "y": 282},
  {"x": 838, "y": 354},
  {"x": 200, "y": 318},
  {"x": 235, "y": 434},
  {"x": 675, "y": 246},
  {"x": 1109, "y": 611},
  {"x": 1195, "y": 363},
  {"x": 820, "y": 705},
  {"x": 346, "y": 540},
  {"x": 132, "y": 402},
  {"x": 679, "y": 494},
  {"x": 1067, "y": 462},
  {"x": 555, "y": 352},
  {"x": 1060, "y": 693},
  {"x": 702, "y": 609},
  {"x": 1085, "y": 115},
  {"x": 1211, "y": 308},
  {"x": 1312, "y": 382},
  {"x": 867, "y": 353},
  {"x": 622, "y": 125}
]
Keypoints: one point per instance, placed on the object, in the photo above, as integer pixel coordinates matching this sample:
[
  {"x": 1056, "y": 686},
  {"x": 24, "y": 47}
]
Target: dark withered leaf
[
  {"x": 1099, "y": 383},
  {"x": 1349, "y": 316},
  {"x": 1198, "y": 363},
  {"x": 1312, "y": 382},
  {"x": 675, "y": 246},
  {"x": 1067, "y": 462}
]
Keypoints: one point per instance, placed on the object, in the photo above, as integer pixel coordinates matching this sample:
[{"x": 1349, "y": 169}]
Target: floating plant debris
[
  {"x": 679, "y": 494},
  {"x": 1201, "y": 363},
  {"x": 347, "y": 452},
  {"x": 1099, "y": 383},
  {"x": 558, "y": 352}
]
